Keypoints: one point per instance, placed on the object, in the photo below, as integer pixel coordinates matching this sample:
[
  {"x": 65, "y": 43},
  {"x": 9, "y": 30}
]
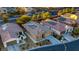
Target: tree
[
  {"x": 75, "y": 32},
  {"x": 59, "y": 13},
  {"x": 39, "y": 17},
  {"x": 21, "y": 10},
  {"x": 72, "y": 9},
  {"x": 34, "y": 17},
  {"x": 23, "y": 19},
  {"x": 45, "y": 15},
  {"x": 5, "y": 18}
]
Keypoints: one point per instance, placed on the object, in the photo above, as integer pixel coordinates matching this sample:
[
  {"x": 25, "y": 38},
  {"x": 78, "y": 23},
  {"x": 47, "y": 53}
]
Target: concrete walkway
[{"x": 68, "y": 37}]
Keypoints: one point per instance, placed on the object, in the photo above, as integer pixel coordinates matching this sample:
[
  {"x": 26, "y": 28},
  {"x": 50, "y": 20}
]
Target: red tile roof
[{"x": 10, "y": 31}]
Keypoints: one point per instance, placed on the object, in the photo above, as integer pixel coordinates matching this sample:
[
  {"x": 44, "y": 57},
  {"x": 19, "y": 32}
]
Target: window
[
  {"x": 22, "y": 38},
  {"x": 4, "y": 10},
  {"x": 20, "y": 33},
  {"x": 42, "y": 35},
  {"x": 32, "y": 26},
  {"x": 20, "y": 41}
]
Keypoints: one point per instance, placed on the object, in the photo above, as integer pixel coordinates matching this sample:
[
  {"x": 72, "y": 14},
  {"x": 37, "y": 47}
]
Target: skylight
[{"x": 32, "y": 26}]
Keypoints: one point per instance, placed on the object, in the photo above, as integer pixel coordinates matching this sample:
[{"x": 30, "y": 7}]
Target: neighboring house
[
  {"x": 65, "y": 20},
  {"x": 12, "y": 34},
  {"x": 7, "y": 9},
  {"x": 37, "y": 31},
  {"x": 29, "y": 9},
  {"x": 57, "y": 27},
  {"x": 11, "y": 9},
  {"x": 70, "y": 18},
  {"x": 3, "y": 10}
]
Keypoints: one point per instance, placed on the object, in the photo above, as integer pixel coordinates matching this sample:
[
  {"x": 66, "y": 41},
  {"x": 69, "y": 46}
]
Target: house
[
  {"x": 65, "y": 20},
  {"x": 37, "y": 31},
  {"x": 12, "y": 34},
  {"x": 6, "y": 10},
  {"x": 3, "y": 10},
  {"x": 70, "y": 18},
  {"x": 57, "y": 27},
  {"x": 11, "y": 9}
]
